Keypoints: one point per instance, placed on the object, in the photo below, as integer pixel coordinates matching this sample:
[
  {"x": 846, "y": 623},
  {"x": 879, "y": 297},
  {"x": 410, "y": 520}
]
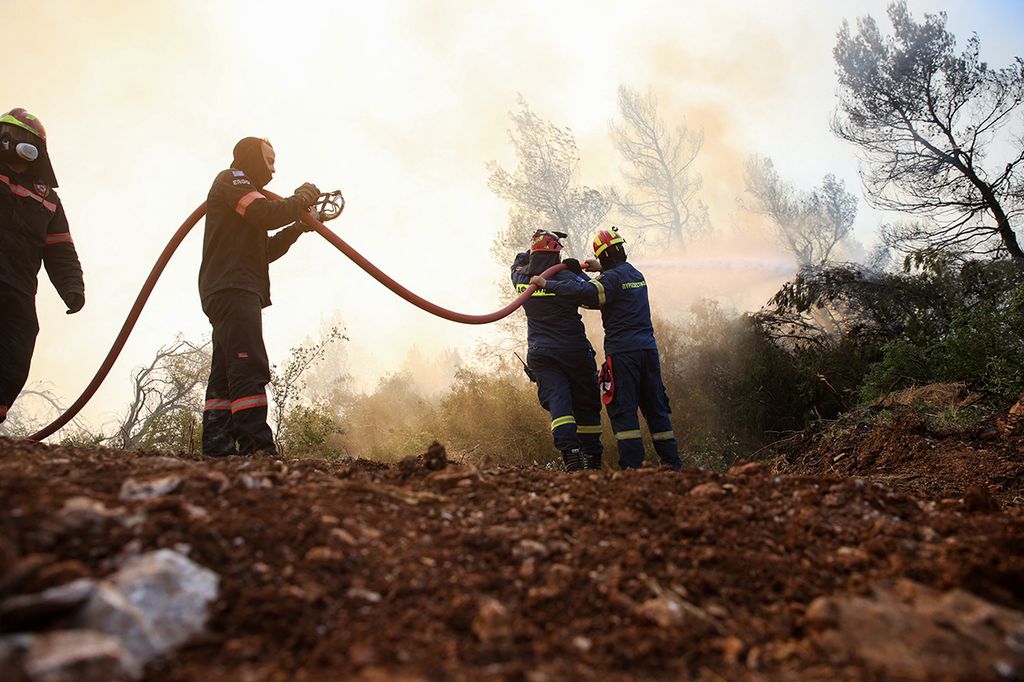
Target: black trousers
[
  {"x": 567, "y": 388},
  {"x": 235, "y": 415},
  {"x": 18, "y": 330}
]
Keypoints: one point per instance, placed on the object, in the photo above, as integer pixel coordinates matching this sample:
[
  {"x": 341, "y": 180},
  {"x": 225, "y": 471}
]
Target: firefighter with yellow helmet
[{"x": 631, "y": 373}]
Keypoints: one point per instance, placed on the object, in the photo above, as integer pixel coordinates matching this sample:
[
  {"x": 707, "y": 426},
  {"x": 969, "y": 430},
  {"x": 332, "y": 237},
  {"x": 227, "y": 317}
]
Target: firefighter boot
[
  {"x": 592, "y": 460},
  {"x": 573, "y": 460}
]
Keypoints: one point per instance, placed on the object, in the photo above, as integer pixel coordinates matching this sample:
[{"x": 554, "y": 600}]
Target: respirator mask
[{"x": 13, "y": 151}]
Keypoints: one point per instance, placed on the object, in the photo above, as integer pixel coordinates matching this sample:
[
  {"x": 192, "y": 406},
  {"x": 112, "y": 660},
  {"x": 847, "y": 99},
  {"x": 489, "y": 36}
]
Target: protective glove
[
  {"x": 573, "y": 265},
  {"x": 308, "y": 194},
  {"x": 74, "y": 302}
]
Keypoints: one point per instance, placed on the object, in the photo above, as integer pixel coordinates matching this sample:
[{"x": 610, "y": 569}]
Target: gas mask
[{"x": 12, "y": 151}]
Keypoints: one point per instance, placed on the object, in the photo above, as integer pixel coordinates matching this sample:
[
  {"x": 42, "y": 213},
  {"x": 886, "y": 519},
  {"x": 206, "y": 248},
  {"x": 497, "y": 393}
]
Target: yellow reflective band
[
  {"x": 663, "y": 435},
  {"x": 627, "y": 435},
  {"x": 562, "y": 421},
  {"x": 588, "y": 428},
  {"x": 600, "y": 291},
  {"x": 520, "y": 288},
  {"x": 15, "y": 122}
]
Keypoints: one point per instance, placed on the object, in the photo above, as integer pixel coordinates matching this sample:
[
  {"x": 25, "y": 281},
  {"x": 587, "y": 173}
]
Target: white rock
[
  {"x": 133, "y": 489},
  {"x": 155, "y": 602}
]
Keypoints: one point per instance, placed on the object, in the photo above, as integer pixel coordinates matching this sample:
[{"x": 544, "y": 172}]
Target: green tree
[{"x": 934, "y": 128}]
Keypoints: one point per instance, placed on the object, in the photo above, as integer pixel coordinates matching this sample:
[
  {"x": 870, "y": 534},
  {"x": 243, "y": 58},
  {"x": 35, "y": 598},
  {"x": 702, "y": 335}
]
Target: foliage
[
  {"x": 393, "y": 422},
  {"x": 288, "y": 382},
  {"x": 161, "y": 414},
  {"x": 811, "y": 224},
  {"x": 926, "y": 120},
  {"x": 495, "y": 417},
  {"x": 312, "y": 430},
  {"x": 659, "y": 167}
]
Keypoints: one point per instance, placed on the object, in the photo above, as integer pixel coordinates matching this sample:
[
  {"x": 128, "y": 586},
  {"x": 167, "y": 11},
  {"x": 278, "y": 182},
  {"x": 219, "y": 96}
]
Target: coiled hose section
[{"x": 336, "y": 241}]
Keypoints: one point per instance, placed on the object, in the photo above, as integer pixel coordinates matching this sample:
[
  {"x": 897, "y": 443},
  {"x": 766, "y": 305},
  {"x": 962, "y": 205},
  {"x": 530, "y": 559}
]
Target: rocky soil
[{"x": 434, "y": 571}]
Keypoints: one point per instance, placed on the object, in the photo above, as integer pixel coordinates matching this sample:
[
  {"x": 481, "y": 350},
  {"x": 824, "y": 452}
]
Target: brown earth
[
  {"x": 912, "y": 450},
  {"x": 353, "y": 570}
]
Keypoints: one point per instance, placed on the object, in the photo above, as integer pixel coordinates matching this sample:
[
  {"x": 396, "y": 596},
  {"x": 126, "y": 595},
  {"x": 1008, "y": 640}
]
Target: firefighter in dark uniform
[
  {"x": 631, "y": 373},
  {"x": 234, "y": 285},
  {"x": 33, "y": 231},
  {"x": 559, "y": 356}
]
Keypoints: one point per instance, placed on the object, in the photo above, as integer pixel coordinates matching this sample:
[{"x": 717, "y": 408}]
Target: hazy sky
[{"x": 401, "y": 105}]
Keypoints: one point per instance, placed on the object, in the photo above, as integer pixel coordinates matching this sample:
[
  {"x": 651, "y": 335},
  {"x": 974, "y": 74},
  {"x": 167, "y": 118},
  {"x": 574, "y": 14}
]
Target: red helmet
[
  {"x": 544, "y": 240},
  {"x": 21, "y": 118},
  {"x": 606, "y": 238}
]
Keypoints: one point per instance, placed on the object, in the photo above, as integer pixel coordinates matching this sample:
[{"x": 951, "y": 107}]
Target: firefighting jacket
[
  {"x": 34, "y": 231},
  {"x": 621, "y": 293},
  {"x": 552, "y": 322},
  {"x": 236, "y": 248}
]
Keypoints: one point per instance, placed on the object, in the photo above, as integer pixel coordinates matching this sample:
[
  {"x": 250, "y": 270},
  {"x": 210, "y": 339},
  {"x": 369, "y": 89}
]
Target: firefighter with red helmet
[
  {"x": 631, "y": 373},
  {"x": 33, "y": 232},
  {"x": 559, "y": 356},
  {"x": 234, "y": 286}
]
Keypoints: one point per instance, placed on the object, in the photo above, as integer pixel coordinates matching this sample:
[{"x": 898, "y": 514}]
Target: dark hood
[
  {"x": 249, "y": 159},
  {"x": 541, "y": 261}
]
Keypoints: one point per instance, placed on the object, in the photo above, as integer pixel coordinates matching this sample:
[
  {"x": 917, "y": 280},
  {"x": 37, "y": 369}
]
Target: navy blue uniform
[
  {"x": 234, "y": 284},
  {"x": 562, "y": 361},
  {"x": 621, "y": 293},
  {"x": 34, "y": 232}
]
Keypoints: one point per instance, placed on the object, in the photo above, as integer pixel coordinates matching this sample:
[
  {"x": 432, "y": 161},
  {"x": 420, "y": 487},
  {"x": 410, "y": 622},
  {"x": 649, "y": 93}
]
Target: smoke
[{"x": 401, "y": 106}]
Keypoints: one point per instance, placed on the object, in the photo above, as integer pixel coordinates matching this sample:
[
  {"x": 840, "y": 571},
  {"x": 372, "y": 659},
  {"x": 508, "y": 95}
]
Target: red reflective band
[
  {"x": 59, "y": 238},
  {"x": 23, "y": 192},
  {"x": 249, "y": 402},
  {"x": 243, "y": 203},
  {"x": 3, "y": 411},
  {"x": 215, "y": 404}
]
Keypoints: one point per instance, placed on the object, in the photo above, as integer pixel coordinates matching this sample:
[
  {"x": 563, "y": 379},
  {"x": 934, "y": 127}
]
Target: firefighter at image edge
[
  {"x": 234, "y": 286},
  {"x": 33, "y": 231},
  {"x": 631, "y": 373},
  {"x": 559, "y": 357}
]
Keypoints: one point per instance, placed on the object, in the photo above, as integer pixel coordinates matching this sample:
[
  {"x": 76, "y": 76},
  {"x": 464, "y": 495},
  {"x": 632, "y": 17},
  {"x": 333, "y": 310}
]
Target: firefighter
[
  {"x": 631, "y": 373},
  {"x": 234, "y": 286},
  {"x": 33, "y": 231},
  {"x": 559, "y": 356}
]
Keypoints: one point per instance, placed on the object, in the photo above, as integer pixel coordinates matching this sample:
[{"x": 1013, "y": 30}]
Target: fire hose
[{"x": 335, "y": 241}]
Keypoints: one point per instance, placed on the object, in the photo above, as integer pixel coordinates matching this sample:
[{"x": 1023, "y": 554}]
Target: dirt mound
[
  {"x": 336, "y": 571},
  {"x": 923, "y": 453}
]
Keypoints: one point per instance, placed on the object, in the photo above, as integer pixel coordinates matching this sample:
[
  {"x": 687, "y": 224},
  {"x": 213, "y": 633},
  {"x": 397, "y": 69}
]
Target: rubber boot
[
  {"x": 592, "y": 460},
  {"x": 573, "y": 460}
]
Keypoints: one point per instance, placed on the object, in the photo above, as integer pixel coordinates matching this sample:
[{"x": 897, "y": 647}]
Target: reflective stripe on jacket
[
  {"x": 236, "y": 248},
  {"x": 34, "y": 232}
]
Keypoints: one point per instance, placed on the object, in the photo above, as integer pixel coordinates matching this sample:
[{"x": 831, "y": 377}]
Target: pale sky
[{"x": 401, "y": 105}]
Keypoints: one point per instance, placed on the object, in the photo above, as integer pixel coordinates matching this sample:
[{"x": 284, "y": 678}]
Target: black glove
[
  {"x": 308, "y": 194},
  {"x": 74, "y": 302},
  {"x": 573, "y": 265}
]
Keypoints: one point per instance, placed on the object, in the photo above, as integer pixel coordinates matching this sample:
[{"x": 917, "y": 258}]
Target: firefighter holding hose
[
  {"x": 33, "y": 231},
  {"x": 631, "y": 373},
  {"x": 559, "y": 356},
  {"x": 234, "y": 285}
]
